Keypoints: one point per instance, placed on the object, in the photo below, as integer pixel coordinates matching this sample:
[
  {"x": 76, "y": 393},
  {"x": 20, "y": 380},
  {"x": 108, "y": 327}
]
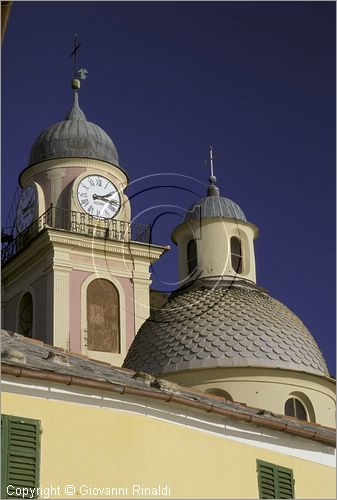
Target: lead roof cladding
[
  {"x": 224, "y": 325},
  {"x": 214, "y": 205},
  {"x": 74, "y": 137}
]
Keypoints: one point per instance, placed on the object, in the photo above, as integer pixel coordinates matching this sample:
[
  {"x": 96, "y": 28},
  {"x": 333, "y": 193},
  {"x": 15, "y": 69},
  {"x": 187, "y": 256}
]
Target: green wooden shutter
[
  {"x": 275, "y": 481},
  {"x": 285, "y": 482},
  {"x": 266, "y": 479},
  {"x": 20, "y": 453}
]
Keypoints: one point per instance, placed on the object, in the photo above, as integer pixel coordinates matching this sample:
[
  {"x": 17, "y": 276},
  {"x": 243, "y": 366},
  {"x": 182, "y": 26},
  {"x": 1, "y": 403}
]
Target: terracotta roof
[
  {"x": 33, "y": 359},
  {"x": 226, "y": 324}
]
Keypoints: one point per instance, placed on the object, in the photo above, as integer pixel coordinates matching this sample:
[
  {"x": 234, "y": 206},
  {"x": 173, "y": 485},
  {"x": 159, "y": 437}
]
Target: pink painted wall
[{"x": 71, "y": 173}]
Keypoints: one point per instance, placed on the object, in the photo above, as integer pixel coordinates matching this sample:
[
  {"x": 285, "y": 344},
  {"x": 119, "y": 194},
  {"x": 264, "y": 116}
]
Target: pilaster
[
  {"x": 61, "y": 308},
  {"x": 55, "y": 178},
  {"x": 141, "y": 301}
]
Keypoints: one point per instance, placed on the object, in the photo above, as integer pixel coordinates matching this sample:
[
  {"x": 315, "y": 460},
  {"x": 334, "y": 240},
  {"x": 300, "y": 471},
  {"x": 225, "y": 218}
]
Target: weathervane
[{"x": 80, "y": 74}]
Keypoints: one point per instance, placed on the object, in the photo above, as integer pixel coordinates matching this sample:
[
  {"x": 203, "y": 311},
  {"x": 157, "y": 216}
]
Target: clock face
[
  {"x": 98, "y": 196},
  {"x": 26, "y": 210}
]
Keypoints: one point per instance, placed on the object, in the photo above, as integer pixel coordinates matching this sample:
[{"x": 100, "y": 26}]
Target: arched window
[
  {"x": 294, "y": 408},
  {"x": 192, "y": 259},
  {"x": 236, "y": 254},
  {"x": 219, "y": 392},
  {"x": 103, "y": 316},
  {"x": 25, "y": 316}
]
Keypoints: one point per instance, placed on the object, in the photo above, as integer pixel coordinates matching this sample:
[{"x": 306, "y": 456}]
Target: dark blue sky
[{"x": 166, "y": 79}]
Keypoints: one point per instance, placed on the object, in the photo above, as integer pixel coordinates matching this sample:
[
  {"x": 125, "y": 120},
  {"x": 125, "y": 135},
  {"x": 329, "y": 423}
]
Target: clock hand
[
  {"x": 104, "y": 198},
  {"x": 111, "y": 202}
]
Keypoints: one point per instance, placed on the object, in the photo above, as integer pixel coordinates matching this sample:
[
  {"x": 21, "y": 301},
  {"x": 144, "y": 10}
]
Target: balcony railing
[{"x": 78, "y": 223}]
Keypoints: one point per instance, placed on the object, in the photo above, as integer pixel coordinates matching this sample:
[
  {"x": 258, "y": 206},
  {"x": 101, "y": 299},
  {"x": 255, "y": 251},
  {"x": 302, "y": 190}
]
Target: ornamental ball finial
[{"x": 75, "y": 84}]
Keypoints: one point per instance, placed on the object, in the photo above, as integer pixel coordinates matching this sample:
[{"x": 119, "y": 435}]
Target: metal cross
[{"x": 74, "y": 53}]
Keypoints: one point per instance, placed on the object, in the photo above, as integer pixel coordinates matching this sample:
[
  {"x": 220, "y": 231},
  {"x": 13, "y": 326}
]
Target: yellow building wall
[{"x": 99, "y": 447}]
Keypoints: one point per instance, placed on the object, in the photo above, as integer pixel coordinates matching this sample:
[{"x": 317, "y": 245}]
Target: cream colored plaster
[
  {"x": 140, "y": 449},
  {"x": 267, "y": 388},
  {"x": 75, "y": 282},
  {"x": 212, "y": 237},
  {"x": 41, "y": 205},
  {"x": 141, "y": 301},
  {"x": 25, "y": 267},
  {"x": 103, "y": 247},
  {"x": 50, "y": 307}
]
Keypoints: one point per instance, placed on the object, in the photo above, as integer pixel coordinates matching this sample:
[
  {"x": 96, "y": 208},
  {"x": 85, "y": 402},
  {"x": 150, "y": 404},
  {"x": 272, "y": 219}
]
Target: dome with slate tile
[
  {"x": 214, "y": 205},
  {"x": 74, "y": 137},
  {"x": 227, "y": 325}
]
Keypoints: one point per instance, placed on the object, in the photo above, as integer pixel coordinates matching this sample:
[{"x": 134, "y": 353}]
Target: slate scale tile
[{"x": 224, "y": 326}]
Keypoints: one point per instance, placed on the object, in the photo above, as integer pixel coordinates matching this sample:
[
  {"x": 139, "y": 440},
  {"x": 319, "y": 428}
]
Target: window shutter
[
  {"x": 285, "y": 482},
  {"x": 20, "y": 439},
  {"x": 266, "y": 478},
  {"x": 275, "y": 481}
]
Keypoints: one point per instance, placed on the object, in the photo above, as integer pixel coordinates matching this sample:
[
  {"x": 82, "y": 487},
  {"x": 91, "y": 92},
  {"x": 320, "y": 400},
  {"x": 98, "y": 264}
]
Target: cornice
[{"x": 131, "y": 248}]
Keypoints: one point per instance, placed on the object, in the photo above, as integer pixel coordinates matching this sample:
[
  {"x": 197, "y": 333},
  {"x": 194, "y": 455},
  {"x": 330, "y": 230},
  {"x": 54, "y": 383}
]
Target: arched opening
[
  {"x": 103, "y": 316},
  {"x": 295, "y": 408},
  {"x": 192, "y": 257},
  {"x": 220, "y": 393},
  {"x": 298, "y": 404},
  {"x": 25, "y": 315},
  {"x": 236, "y": 254}
]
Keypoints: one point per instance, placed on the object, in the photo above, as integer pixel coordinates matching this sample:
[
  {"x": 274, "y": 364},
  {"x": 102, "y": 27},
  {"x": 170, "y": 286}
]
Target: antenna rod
[{"x": 211, "y": 158}]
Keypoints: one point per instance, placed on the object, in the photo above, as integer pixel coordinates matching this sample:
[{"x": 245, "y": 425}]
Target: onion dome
[
  {"x": 214, "y": 205},
  {"x": 224, "y": 325},
  {"x": 72, "y": 138}
]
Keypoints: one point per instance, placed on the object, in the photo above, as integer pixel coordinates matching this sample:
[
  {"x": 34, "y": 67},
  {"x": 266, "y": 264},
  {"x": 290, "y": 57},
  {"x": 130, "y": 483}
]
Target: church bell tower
[{"x": 76, "y": 274}]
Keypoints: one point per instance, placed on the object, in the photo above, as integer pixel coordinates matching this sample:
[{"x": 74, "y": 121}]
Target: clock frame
[{"x": 98, "y": 196}]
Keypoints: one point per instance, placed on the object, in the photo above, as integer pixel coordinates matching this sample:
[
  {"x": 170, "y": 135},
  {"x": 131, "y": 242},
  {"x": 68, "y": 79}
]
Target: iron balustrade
[{"x": 77, "y": 223}]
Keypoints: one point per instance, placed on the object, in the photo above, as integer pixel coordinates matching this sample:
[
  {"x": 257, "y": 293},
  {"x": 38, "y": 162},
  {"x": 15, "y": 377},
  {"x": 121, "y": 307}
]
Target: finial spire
[
  {"x": 80, "y": 74},
  {"x": 212, "y": 190}
]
